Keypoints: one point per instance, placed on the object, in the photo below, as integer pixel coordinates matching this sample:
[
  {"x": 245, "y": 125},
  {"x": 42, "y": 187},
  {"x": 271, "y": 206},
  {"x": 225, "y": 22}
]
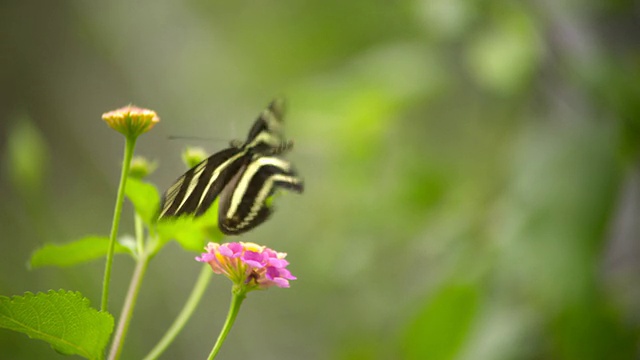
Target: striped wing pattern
[
  {"x": 195, "y": 191},
  {"x": 243, "y": 177},
  {"x": 243, "y": 204}
]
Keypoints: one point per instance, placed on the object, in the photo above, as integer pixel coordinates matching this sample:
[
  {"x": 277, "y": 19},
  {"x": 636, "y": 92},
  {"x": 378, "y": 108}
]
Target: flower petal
[
  {"x": 248, "y": 265},
  {"x": 253, "y": 259}
]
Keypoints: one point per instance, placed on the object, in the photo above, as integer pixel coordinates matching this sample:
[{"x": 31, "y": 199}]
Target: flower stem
[
  {"x": 236, "y": 300},
  {"x": 185, "y": 314},
  {"x": 129, "y": 304},
  {"x": 139, "y": 231},
  {"x": 130, "y": 144}
]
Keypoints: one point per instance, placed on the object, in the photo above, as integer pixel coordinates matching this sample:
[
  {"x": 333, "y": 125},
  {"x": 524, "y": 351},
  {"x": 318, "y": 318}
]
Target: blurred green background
[{"x": 471, "y": 168}]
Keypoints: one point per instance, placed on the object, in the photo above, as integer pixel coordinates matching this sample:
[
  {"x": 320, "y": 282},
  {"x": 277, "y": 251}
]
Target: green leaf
[
  {"x": 64, "y": 319},
  {"x": 441, "y": 327},
  {"x": 192, "y": 233},
  {"x": 145, "y": 199},
  {"x": 77, "y": 252}
]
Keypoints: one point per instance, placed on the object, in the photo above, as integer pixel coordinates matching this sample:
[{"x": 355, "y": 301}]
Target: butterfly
[{"x": 242, "y": 177}]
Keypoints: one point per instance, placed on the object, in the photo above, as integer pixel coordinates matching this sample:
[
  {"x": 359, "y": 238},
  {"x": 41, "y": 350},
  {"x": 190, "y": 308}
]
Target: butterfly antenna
[{"x": 196, "y": 138}]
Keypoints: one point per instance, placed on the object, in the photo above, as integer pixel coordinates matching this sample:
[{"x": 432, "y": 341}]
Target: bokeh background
[{"x": 471, "y": 168}]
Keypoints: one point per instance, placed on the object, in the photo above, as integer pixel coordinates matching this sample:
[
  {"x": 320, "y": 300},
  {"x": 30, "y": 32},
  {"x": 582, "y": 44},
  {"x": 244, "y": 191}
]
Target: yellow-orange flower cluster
[{"x": 130, "y": 120}]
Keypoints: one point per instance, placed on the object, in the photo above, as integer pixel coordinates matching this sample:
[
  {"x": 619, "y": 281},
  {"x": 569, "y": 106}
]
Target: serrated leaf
[
  {"x": 62, "y": 318},
  {"x": 440, "y": 328},
  {"x": 73, "y": 253},
  {"x": 145, "y": 199}
]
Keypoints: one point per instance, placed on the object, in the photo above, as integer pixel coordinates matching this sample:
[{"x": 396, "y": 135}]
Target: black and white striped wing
[
  {"x": 243, "y": 202},
  {"x": 243, "y": 177},
  {"x": 196, "y": 190},
  {"x": 266, "y": 136}
]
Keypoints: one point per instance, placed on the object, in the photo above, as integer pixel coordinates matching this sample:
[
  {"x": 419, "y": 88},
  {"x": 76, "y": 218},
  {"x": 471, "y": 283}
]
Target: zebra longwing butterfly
[{"x": 242, "y": 177}]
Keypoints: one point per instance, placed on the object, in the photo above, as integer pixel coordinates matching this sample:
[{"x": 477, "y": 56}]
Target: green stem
[
  {"x": 185, "y": 314},
  {"x": 129, "y": 305},
  {"x": 236, "y": 300},
  {"x": 139, "y": 231},
  {"x": 130, "y": 144}
]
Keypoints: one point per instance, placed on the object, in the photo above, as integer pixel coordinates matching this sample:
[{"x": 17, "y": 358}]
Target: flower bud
[
  {"x": 141, "y": 167},
  {"x": 192, "y": 156},
  {"x": 130, "y": 120}
]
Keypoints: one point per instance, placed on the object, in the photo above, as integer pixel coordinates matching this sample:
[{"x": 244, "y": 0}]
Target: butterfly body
[{"x": 242, "y": 177}]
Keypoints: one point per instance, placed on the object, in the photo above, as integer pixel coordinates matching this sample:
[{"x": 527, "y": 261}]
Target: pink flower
[{"x": 248, "y": 265}]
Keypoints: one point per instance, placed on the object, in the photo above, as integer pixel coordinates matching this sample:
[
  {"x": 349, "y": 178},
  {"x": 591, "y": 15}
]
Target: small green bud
[
  {"x": 192, "y": 156},
  {"x": 141, "y": 167}
]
